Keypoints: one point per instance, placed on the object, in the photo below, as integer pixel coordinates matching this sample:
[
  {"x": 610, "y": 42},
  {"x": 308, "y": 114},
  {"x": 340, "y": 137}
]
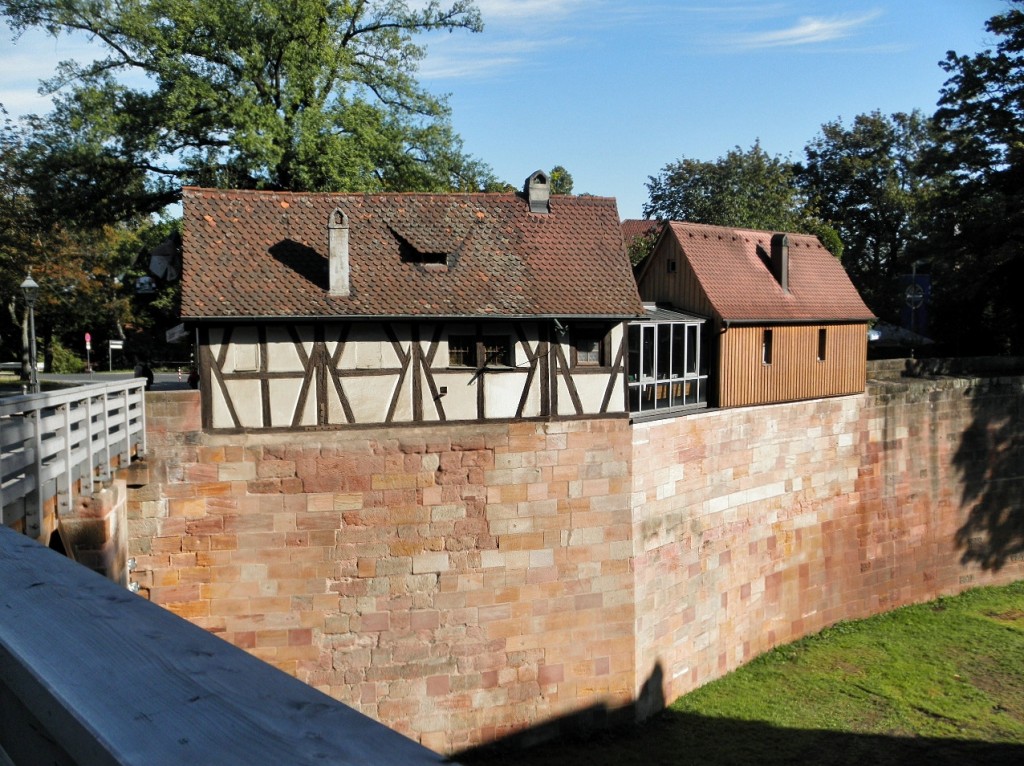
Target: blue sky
[{"x": 614, "y": 90}]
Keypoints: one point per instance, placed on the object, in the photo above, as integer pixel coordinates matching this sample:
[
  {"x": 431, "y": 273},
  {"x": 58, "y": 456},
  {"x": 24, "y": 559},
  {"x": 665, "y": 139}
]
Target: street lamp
[{"x": 31, "y": 291}]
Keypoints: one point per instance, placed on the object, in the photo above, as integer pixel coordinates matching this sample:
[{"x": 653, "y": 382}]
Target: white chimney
[
  {"x": 337, "y": 253},
  {"x": 538, "y": 191}
]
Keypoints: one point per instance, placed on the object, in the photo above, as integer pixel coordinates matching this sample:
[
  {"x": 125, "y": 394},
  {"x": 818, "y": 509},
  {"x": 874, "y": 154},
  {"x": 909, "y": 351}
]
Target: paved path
[{"x": 162, "y": 381}]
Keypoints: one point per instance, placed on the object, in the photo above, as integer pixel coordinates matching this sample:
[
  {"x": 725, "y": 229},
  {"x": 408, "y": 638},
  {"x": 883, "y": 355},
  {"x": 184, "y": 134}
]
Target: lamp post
[{"x": 31, "y": 291}]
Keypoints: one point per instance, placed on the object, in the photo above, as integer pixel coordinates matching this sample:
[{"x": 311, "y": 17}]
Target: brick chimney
[
  {"x": 538, "y": 191},
  {"x": 337, "y": 253}
]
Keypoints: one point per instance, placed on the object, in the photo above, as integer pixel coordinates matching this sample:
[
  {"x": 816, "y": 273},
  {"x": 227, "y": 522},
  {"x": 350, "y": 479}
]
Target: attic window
[
  {"x": 589, "y": 348},
  {"x": 461, "y": 351},
  {"x": 671, "y": 265},
  {"x": 410, "y": 254}
]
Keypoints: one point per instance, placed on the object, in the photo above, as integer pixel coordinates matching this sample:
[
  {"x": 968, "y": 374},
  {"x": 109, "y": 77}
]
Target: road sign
[
  {"x": 914, "y": 295},
  {"x": 116, "y": 345}
]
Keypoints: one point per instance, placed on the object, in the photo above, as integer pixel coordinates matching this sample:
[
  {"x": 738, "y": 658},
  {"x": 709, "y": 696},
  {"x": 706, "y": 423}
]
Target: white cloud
[
  {"x": 808, "y": 30},
  {"x": 30, "y": 58},
  {"x": 528, "y": 9},
  {"x": 478, "y": 59},
  {"x": 515, "y": 31}
]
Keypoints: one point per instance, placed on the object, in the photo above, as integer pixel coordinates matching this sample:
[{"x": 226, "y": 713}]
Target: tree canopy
[
  {"x": 746, "y": 189},
  {"x": 976, "y": 219},
  {"x": 300, "y": 95},
  {"x": 85, "y": 273},
  {"x": 561, "y": 180},
  {"x": 866, "y": 181}
]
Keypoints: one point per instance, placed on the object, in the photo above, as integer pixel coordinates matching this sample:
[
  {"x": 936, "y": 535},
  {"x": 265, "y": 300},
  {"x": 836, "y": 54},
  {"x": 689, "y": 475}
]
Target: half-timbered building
[
  {"x": 319, "y": 310},
  {"x": 784, "y": 320}
]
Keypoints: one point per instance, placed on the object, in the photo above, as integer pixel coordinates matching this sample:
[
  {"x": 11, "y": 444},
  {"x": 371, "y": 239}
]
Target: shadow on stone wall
[
  {"x": 990, "y": 460},
  {"x": 684, "y": 738},
  {"x": 592, "y": 723}
]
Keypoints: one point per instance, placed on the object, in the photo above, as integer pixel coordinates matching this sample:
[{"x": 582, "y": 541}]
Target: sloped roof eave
[
  {"x": 793, "y": 321},
  {"x": 204, "y": 319}
]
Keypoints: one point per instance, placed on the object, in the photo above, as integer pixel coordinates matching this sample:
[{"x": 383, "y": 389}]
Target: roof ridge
[
  {"x": 209, "y": 190},
  {"x": 741, "y": 229}
]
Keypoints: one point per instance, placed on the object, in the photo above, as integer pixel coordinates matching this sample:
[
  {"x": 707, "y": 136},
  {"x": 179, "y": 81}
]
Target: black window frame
[
  {"x": 497, "y": 350},
  {"x": 595, "y": 335}
]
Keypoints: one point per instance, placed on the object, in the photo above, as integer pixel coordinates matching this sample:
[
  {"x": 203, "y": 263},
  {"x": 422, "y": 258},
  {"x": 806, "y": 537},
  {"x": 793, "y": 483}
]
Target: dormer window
[{"x": 409, "y": 254}]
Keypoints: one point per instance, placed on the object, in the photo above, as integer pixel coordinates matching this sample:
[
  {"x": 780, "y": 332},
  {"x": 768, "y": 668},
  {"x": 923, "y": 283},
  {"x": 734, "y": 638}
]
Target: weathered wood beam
[{"x": 96, "y": 675}]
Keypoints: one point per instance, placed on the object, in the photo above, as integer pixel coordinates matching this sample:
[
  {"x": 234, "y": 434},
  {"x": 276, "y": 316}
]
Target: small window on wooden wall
[
  {"x": 822, "y": 340},
  {"x": 766, "y": 347},
  {"x": 588, "y": 348}
]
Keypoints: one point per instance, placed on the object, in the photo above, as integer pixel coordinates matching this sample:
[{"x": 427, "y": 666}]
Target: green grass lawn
[{"x": 938, "y": 683}]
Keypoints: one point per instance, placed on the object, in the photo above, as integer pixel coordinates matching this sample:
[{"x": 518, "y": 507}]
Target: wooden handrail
[{"x": 91, "y": 675}]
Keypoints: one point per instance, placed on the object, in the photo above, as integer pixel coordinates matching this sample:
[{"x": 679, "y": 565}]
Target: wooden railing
[{"x": 54, "y": 445}]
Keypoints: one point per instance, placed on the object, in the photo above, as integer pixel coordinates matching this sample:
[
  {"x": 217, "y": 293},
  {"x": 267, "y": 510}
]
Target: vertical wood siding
[
  {"x": 679, "y": 288},
  {"x": 795, "y": 371}
]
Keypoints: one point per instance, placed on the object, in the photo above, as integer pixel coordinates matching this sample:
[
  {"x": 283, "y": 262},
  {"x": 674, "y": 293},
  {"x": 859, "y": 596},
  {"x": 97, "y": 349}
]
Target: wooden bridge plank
[{"x": 124, "y": 681}]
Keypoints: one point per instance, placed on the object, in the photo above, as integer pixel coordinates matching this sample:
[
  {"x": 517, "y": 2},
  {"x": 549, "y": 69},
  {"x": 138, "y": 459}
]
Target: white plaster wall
[
  {"x": 502, "y": 391},
  {"x": 284, "y": 397},
  {"x": 245, "y": 395}
]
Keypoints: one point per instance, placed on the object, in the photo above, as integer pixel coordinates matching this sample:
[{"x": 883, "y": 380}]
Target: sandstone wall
[
  {"x": 458, "y": 584},
  {"x": 464, "y": 583},
  {"x": 756, "y": 526}
]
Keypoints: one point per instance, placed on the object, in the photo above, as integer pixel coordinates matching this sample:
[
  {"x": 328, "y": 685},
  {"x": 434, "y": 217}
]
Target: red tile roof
[
  {"x": 741, "y": 287},
  {"x": 639, "y": 227},
  {"x": 264, "y": 254}
]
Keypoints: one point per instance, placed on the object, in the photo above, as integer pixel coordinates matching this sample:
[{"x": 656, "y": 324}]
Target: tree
[
  {"x": 82, "y": 271},
  {"x": 303, "y": 95},
  {"x": 976, "y": 218},
  {"x": 746, "y": 189},
  {"x": 866, "y": 181},
  {"x": 561, "y": 180}
]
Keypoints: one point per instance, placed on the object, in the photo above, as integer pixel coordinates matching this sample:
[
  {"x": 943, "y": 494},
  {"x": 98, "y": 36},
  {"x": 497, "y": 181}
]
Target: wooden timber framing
[{"x": 335, "y": 374}]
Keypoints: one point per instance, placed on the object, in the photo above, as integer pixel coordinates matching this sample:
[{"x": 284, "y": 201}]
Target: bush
[{"x": 64, "y": 361}]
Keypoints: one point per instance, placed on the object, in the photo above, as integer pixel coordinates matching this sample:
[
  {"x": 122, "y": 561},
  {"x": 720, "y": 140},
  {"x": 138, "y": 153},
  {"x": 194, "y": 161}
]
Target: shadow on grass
[{"x": 684, "y": 738}]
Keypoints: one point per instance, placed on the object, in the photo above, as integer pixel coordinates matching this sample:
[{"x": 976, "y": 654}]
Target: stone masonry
[{"x": 463, "y": 583}]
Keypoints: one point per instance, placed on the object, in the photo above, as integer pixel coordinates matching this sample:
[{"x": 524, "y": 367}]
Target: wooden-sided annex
[{"x": 785, "y": 321}]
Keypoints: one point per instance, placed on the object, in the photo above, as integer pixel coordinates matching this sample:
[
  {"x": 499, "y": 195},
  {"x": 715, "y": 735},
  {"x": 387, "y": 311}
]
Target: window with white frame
[{"x": 667, "y": 368}]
